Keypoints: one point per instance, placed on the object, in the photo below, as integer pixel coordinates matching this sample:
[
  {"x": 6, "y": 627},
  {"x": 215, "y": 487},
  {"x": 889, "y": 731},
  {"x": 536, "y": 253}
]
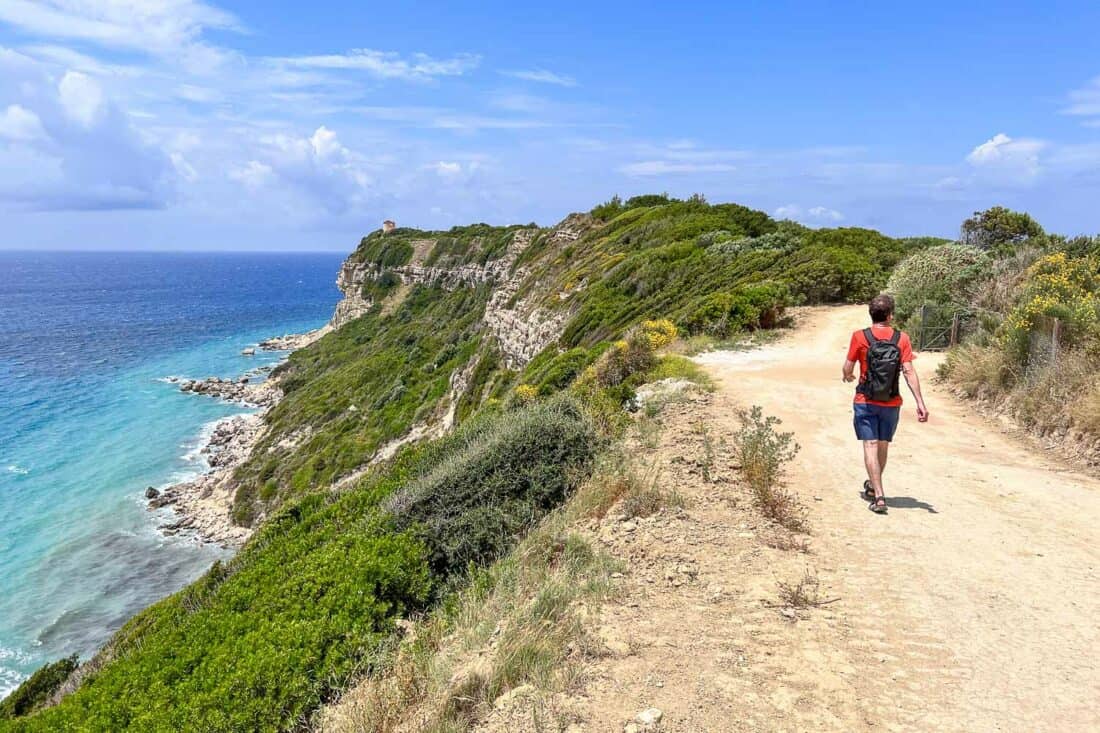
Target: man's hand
[
  {"x": 848, "y": 371},
  {"x": 922, "y": 413}
]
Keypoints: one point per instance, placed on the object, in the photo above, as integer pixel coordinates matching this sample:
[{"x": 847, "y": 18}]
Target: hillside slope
[{"x": 466, "y": 386}]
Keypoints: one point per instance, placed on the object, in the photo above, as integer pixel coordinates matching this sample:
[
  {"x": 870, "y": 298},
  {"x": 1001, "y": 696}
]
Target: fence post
[
  {"x": 954, "y": 330},
  {"x": 1055, "y": 340},
  {"x": 923, "y": 325}
]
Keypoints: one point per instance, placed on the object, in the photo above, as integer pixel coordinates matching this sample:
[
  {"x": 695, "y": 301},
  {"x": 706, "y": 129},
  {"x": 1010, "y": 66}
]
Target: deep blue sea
[{"x": 86, "y": 423}]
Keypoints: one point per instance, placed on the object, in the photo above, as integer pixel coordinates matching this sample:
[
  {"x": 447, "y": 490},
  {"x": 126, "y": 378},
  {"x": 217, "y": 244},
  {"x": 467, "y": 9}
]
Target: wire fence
[
  {"x": 942, "y": 327},
  {"x": 1045, "y": 343}
]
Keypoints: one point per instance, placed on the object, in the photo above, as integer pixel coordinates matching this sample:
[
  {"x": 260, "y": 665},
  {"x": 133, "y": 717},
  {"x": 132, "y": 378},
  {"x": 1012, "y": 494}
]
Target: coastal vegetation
[
  {"x": 356, "y": 531},
  {"x": 1031, "y": 301},
  {"x": 260, "y": 641}
]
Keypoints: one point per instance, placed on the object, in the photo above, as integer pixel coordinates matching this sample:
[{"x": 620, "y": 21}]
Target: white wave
[
  {"x": 194, "y": 446},
  {"x": 10, "y": 678},
  {"x": 18, "y": 470}
]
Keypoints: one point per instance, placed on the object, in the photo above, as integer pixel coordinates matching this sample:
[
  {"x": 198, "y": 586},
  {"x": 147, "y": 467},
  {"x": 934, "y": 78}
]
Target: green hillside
[
  {"x": 311, "y": 601},
  {"x": 713, "y": 270}
]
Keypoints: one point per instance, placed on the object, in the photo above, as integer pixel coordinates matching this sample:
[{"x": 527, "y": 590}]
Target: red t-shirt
[{"x": 857, "y": 351}]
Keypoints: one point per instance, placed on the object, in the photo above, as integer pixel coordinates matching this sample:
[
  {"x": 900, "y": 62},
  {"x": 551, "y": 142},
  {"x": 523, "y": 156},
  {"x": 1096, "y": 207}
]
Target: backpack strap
[
  {"x": 896, "y": 337},
  {"x": 867, "y": 334}
]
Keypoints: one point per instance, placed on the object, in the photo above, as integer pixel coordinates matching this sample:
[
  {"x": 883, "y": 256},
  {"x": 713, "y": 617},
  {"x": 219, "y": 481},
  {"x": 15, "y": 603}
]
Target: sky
[{"x": 279, "y": 125}]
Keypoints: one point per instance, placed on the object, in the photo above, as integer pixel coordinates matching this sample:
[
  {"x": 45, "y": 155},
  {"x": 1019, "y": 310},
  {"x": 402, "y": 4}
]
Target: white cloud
[
  {"x": 384, "y": 64},
  {"x": 542, "y": 76},
  {"x": 813, "y": 215},
  {"x": 1009, "y": 159},
  {"x": 667, "y": 167},
  {"x": 19, "y": 123},
  {"x": 320, "y": 166},
  {"x": 82, "y": 98},
  {"x": 473, "y": 123},
  {"x": 186, "y": 171},
  {"x": 823, "y": 213},
  {"x": 253, "y": 175},
  {"x": 1085, "y": 102},
  {"x": 448, "y": 170},
  {"x": 71, "y": 148},
  {"x": 161, "y": 27}
]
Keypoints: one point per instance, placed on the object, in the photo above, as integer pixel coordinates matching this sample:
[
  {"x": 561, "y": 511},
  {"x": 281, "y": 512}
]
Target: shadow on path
[{"x": 908, "y": 502}]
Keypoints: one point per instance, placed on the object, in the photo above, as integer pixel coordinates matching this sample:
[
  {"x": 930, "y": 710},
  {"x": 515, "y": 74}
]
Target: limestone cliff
[{"x": 522, "y": 328}]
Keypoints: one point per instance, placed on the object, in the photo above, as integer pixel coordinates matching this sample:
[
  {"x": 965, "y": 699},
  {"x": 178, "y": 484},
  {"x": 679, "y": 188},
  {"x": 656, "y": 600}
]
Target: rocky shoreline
[{"x": 202, "y": 505}]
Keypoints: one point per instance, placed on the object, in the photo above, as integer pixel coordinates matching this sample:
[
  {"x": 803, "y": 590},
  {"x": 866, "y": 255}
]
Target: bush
[
  {"x": 940, "y": 276},
  {"x": 999, "y": 228},
  {"x": 513, "y": 470},
  {"x": 37, "y": 688},
  {"x": 659, "y": 333},
  {"x": 395, "y": 370},
  {"x": 761, "y": 453},
  {"x": 1056, "y": 286},
  {"x": 525, "y": 393},
  {"x": 627, "y": 357},
  {"x": 747, "y": 308}
]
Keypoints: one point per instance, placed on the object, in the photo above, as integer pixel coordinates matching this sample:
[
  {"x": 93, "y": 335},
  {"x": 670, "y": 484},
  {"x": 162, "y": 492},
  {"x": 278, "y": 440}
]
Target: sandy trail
[{"x": 975, "y": 602}]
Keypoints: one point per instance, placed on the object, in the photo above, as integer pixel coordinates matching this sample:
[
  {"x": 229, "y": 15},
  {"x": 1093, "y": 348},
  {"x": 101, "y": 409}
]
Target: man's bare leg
[
  {"x": 883, "y": 453},
  {"x": 871, "y": 453}
]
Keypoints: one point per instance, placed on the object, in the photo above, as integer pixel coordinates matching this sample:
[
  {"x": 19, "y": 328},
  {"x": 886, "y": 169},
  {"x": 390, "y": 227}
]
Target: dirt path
[{"x": 975, "y": 604}]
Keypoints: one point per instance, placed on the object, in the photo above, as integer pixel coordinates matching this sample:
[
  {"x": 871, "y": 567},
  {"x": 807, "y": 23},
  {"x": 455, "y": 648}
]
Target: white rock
[{"x": 649, "y": 717}]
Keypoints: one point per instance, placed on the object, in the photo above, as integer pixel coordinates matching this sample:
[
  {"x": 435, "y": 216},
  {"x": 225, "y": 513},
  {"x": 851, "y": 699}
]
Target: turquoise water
[{"x": 87, "y": 422}]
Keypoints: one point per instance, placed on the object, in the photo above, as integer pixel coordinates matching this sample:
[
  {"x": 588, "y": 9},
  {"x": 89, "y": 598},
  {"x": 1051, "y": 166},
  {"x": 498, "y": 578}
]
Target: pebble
[{"x": 649, "y": 717}]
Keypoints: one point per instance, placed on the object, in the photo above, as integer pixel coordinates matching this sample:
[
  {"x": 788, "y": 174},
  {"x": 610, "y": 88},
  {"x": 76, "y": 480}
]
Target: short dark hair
[{"x": 882, "y": 307}]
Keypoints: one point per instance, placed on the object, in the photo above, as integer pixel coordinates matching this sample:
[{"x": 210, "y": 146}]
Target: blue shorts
[{"x": 875, "y": 422}]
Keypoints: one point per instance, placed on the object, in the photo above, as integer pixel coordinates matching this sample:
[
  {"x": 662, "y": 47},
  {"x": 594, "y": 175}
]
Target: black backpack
[{"x": 880, "y": 383}]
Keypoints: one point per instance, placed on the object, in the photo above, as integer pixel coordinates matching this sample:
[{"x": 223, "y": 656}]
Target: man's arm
[
  {"x": 913, "y": 381},
  {"x": 848, "y": 373}
]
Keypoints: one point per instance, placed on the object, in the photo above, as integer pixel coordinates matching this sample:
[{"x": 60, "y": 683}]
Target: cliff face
[{"x": 521, "y": 327}]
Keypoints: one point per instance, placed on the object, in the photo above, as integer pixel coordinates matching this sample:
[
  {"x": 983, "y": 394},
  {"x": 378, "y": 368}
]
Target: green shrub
[
  {"x": 392, "y": 250},
  {"x": 998, "y": 228},
  {"x": 746, "y": 308},
  {"x": 940, "y": 276},
  {"x": 762, "y": 452},
  {"x": 1056, "y": 286},
  {"x": 37, "y": 688},
  {"x": 513, "y": 470}
]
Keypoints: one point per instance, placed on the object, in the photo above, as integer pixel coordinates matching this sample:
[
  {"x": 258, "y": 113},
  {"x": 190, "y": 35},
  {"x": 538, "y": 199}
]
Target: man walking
[{"x": 883, "y": 354}]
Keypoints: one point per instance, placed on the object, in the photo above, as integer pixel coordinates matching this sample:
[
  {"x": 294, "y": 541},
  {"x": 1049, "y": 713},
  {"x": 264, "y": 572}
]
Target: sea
[{"x": 88, "y": 421}]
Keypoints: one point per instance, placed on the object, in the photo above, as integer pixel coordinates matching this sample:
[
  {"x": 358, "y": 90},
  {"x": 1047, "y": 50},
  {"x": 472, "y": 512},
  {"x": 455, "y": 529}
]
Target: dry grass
[
  {"x": 1085, "y": 409},
  {"x": 805, "y": 593},
  {"x": 1059, "y": 397},
  {"x": 979, "y": 372},
  {"x": 787, "y": 541}
]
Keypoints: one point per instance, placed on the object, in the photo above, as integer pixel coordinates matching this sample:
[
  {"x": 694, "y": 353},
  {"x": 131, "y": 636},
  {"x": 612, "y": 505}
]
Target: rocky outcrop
[
  {"x": 293, "y": 341},
  {"x": 350, "y": 281},
  {"x": 243, "y": 391},
  {"x": 202, "y": 504}
]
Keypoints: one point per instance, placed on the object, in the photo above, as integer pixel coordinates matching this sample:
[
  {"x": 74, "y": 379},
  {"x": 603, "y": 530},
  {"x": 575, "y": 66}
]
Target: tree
[{"x": 997, "y": 228}]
